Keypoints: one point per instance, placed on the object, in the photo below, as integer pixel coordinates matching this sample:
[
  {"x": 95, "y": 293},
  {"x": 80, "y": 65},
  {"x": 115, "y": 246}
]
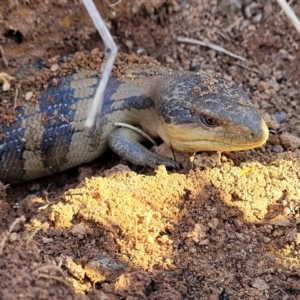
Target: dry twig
[
  {"x": 290, "y": 14},
  {"x": 3, "y": 56},
  {"x": 11, "y": 228},
  {"x": 133, "y": 128},
  {"x": 209, "y": 45},
  {"x": 30, "y": 238}
]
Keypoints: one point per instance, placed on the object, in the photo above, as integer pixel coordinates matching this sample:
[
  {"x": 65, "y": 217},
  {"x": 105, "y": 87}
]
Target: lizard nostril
[{"x": 252, "y": 135}]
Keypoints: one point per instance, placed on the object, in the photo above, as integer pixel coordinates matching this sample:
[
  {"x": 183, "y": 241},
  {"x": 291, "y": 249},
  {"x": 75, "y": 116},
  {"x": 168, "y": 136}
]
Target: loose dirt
[{"x": 224, "y": 227}]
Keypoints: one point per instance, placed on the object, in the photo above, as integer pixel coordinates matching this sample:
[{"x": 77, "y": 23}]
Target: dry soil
[{"x": 227, "y": 227}]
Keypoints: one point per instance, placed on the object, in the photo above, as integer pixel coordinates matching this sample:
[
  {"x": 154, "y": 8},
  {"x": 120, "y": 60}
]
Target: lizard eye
[{"x": 209, "y": 122}]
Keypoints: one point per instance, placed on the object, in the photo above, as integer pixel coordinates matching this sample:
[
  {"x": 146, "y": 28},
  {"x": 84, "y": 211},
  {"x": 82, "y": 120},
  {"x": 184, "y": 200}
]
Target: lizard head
[{"x": 208, "y": 113}]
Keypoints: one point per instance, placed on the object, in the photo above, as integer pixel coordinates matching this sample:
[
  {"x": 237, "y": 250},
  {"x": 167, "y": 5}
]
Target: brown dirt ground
[{"x": 227, "y": 228}]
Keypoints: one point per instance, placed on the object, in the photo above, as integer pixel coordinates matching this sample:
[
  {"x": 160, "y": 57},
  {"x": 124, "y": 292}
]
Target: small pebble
[
  {"x": 280, "y": 116},
  {"x": 259, "y": 284},
  {"x": 129, "y": 44},
  {"x": 28, "y": 95},
  {"x": 263, "y": 86},
  {"x": 46, "y": 240},
  {"x": 290, "y": 141},
  {"x": 277, "y": 149},
  {"x": 169, "y": 59},
  {"x": 13, "y": 237},
  {"x": 140, "y": 51},
  {"x": 54, "y": 67},
  {"x": 78, "y": 230}
]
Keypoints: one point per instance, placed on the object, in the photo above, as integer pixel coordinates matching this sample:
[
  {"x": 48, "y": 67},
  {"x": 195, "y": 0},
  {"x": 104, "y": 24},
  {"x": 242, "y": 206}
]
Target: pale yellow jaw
[{"x": 189, "y": 138}]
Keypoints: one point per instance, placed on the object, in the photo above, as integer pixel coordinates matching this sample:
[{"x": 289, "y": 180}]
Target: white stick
[
  {"x": 113, "y": 50},
  {"x": 290, "y": 14}
]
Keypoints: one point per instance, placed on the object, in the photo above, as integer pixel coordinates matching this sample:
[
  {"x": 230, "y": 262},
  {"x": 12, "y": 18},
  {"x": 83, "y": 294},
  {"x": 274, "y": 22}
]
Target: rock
[{"x": 259, "y": 284}]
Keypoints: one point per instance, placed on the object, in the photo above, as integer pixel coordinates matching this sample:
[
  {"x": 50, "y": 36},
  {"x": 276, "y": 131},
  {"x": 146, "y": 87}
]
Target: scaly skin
[{"x": 190, "y": 112}]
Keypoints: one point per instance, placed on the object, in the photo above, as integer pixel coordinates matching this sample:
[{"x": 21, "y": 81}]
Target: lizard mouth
[{"x": 187, "y": 138}]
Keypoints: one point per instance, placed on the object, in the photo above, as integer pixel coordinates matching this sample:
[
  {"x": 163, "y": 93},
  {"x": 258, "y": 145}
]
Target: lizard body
[{"x": 189, "y": 111}]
